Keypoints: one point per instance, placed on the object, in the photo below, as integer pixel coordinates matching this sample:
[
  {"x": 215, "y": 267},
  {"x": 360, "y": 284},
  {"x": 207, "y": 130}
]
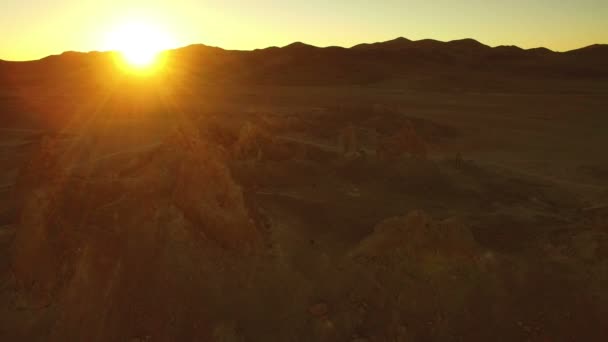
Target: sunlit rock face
[
  {"x": 417, "y": 236},
  {"x": 119, "y": 244}
]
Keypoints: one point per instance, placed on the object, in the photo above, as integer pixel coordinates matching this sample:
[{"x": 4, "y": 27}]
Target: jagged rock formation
[
  {"x": 418, "y": 236},
  {"x": 250, "y": 142},
  {"x": 93, "y": 236},
  {"x": 405, "y": 141}
]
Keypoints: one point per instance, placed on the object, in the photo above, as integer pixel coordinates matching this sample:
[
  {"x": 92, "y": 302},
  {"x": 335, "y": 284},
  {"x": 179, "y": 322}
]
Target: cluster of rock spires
[
  {"x": 163, "y": 244},
  {"x": 93, "y": 237},
  {"x": 115, "y": 245}
]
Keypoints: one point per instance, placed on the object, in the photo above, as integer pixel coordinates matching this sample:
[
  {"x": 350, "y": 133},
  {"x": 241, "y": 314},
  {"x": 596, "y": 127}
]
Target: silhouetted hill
[
  {"x": 468, "y": 42},
  {"x": 395, "y": 44},
  {"x": 397, "y": 59},
  {"x": 300, "y": 63},
  {"x": 298, "y": 46},
  {"x": 540, "y": 51},
  {"x": 596, "y": 52}
]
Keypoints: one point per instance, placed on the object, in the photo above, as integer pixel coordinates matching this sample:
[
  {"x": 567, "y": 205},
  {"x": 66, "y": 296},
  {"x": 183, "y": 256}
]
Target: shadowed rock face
[
  {"x": 91, "y": 237},
  {"x": 419, "y": 236}
]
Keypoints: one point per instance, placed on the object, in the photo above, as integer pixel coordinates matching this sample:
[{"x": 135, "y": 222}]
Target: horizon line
[{"x": 307, "y": 44}]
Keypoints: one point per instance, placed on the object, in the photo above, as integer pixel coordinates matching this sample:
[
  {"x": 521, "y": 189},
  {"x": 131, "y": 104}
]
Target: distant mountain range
[{"x": 301, "y": 64}]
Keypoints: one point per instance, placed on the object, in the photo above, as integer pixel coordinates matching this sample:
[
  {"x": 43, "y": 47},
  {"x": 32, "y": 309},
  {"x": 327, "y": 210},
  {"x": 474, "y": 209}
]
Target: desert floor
[{"x": 284, "y": 213}]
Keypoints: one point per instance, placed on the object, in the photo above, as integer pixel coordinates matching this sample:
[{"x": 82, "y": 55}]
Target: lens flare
[{"x": 139, "y": 44}]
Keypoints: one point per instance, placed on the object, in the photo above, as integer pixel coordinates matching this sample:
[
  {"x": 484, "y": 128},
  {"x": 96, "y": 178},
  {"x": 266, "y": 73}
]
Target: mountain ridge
[
  {"x": 300, "y": 63},
  {"x": 396, "y": 42}
]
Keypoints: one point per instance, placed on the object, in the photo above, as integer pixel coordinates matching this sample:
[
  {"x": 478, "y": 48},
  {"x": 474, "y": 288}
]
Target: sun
[{"x": 139, "y": 44}]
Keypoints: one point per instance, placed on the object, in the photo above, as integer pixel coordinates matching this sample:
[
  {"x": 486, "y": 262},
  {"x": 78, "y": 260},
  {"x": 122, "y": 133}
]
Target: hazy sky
[{"x": 31, "y": 29}]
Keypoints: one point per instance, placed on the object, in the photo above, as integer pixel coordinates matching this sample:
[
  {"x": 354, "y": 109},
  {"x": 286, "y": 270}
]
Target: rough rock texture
[
  {"x": 405, "y": 141},
  {"x": 93, "y": 235},
  {"x": 418, "y": 236}
]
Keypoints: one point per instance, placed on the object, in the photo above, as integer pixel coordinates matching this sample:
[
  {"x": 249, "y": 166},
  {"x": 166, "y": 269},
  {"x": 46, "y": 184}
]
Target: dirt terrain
[{"x": 388, "y": 211}]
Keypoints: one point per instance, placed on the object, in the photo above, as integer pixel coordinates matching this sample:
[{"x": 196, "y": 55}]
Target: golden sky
[{"x": 32, "y": 29}]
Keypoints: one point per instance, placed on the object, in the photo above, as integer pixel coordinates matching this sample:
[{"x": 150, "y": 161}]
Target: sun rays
[{"x": 140, "y": 45}]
